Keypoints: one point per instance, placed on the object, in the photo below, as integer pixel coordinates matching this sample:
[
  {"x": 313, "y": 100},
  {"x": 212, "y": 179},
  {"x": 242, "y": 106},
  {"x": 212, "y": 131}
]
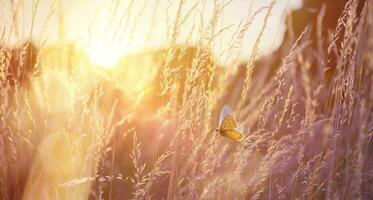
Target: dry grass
[{"x": 69, "y": 130}]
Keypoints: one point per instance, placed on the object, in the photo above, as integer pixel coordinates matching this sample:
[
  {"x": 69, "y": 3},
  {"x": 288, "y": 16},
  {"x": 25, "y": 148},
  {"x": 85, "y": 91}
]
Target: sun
[
  {"x": 103, "y": 54},
  {"x": 104, "y": 42}
]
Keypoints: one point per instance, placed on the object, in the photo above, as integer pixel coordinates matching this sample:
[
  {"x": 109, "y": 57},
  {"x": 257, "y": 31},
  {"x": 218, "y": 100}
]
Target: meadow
[{"x": 77, "y": 124}]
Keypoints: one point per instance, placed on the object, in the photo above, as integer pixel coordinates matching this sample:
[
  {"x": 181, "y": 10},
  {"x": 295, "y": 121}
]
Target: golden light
[
  {"x": 104, "y": 43},
  {"x": 104, "y": 55}
]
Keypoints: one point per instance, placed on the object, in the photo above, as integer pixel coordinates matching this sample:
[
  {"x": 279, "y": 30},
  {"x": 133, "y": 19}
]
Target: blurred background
[
  {"x": 120, "y": 99},
  {"x": 99, "y": 28}
]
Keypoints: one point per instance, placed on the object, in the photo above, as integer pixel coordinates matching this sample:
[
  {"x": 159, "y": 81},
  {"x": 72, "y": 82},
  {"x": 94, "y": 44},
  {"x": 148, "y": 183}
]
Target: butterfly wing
[
  {"x": 225, "y": 112},
  {"x": 239, "y": 127},
  {"x": 229, "y": 123},
  {"x": 233, "y": 134}
]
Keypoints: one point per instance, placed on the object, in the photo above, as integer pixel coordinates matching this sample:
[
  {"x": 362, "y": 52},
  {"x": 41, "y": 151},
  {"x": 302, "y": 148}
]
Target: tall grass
[{"x": 72, "y": 131}]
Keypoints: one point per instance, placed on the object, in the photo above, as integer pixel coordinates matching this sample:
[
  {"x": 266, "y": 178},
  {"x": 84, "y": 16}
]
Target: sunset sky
[{"x": 96, "y": 25}]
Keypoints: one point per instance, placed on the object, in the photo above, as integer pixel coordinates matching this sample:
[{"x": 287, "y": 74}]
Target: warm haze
[{"x": 179, "y": 99}]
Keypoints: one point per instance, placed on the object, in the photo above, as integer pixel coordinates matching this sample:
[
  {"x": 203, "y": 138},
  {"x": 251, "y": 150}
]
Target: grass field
[{"x": 83, "y": 122}]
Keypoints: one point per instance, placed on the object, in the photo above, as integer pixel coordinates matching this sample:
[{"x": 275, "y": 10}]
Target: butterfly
[{"x": 229, "y": 126}]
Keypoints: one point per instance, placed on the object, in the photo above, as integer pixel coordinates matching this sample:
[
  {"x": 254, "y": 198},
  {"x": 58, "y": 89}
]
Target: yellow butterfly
[{"x": 229, "y": 126}]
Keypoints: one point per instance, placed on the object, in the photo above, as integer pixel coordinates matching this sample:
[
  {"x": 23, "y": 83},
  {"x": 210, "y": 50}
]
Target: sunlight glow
[
  {"x": 104, "y": 43},
  {"x": 104, "y": 55}
]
